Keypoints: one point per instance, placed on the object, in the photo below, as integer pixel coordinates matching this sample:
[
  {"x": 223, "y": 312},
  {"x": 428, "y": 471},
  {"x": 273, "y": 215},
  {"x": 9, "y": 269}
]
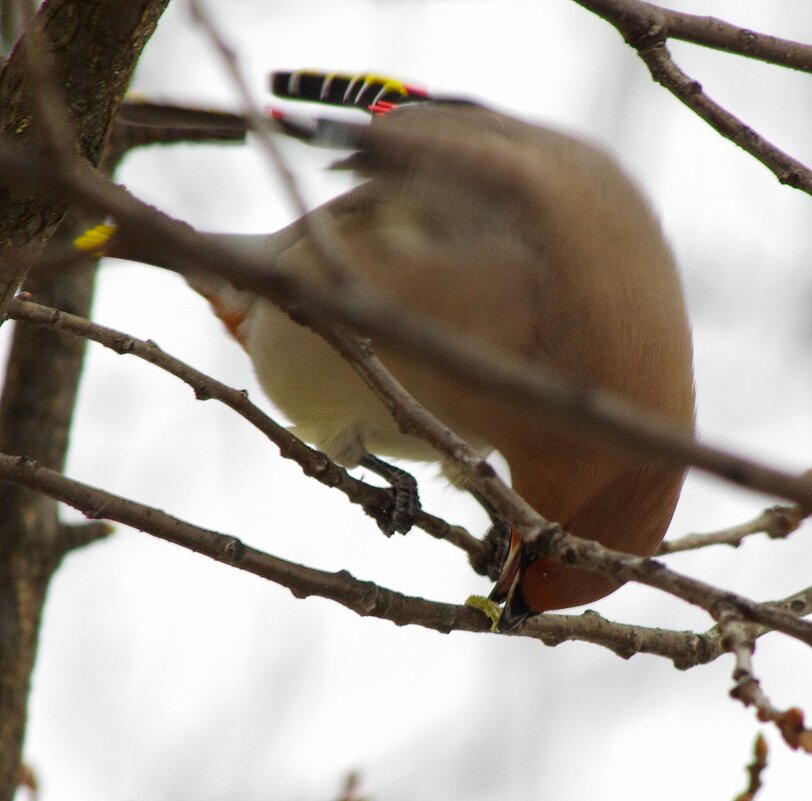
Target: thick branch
[
  {"x": 92, "y": 48},
  {"x": 71, "y": 29}
]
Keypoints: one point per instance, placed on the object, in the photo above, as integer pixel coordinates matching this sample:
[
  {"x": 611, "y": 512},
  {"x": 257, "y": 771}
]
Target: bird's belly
[{"x": 328, "y": 403}]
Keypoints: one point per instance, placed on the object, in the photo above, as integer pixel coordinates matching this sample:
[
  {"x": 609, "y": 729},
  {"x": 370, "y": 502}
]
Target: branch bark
[
  {"x": 777, "y": 522},
  {"x": 638, "y": 20},
  {"x": 314, "y": 464},
  {"x": 684, "y": 648},
  {"x": 44, "y": 366},
  {"x": 174, "y": 245},
  {"x": 31, "y": 554},
  {"x": 647, "y": 27}
]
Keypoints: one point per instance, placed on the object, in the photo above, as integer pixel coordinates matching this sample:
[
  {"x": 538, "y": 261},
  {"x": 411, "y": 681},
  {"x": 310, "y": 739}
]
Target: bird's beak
[{"x": 507, "y": 587}]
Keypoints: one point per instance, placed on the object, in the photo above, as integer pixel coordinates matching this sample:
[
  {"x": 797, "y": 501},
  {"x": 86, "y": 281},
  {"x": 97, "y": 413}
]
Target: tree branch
[
  {"x": 178, "y": 247},
  {"x": 746, "y": 687},
  {"x": 92, "y": 48},
  {"x": 755, "y": 769},
  {"x": 72, "y": 29},
  {"x": 721, "y": 35},
  {"x": 623, "y": 641},
  {"x": 777, "y": 522},
  {"x": 362, "y": 597},
  {"x": 314, "y": 464},
  {"x": 646, "y": 28},
  {"x": 638, "y": 21},
  {"x": 78, "y": 535},
  {"x": 685, "y": 649}
]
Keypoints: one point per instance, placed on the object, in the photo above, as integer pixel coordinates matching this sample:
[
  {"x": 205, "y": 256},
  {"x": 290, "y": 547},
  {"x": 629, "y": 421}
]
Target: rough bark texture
[
  {"x": 35, "y": 414},
  {"x": 94, "y": 47}
]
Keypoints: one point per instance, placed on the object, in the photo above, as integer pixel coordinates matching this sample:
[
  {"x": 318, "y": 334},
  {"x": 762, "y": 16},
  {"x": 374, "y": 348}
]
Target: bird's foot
[
  {"x": 490, "y": 560},
  {"x": 402, "y": 513}
]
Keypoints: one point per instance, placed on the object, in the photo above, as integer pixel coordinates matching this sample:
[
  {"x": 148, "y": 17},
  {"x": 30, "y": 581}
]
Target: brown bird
[{"x": 559, "y": 263}]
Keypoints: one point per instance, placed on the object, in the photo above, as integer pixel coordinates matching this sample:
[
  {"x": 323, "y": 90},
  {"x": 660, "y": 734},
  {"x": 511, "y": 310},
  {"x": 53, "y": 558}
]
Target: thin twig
[
  {"x": 776, "y": 522},
  {"x": 253, "y": 117},
  {"x": 324, "y": 234},
  {"x": 639, "y": 20},
  {"x": 739, "y": 640},
  {"x": 729, "y": 38},
  {"x": 577, "y": 552},
  {"x": 755, "y": 769},
  {"x": 352, "y": 789},
  {"x": 146, "y": 123},
  {"x": 78, "y": 535},
  {"x": 685, "y": 649}
]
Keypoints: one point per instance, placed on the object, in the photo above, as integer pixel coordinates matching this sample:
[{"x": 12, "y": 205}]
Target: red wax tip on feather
[
  {"x": 381, "y": 107},
  {"x": 416, "y": 90},
  {"x": 275, "y": 113}
]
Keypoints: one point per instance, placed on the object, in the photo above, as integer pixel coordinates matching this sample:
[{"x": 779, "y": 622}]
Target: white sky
[{"x": 162, "y": 675}]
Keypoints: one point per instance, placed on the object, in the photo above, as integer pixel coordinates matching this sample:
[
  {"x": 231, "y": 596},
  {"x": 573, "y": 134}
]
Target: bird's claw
[
  {"x": 401, "y": 514},
  {"x": 495, "y": 546}
]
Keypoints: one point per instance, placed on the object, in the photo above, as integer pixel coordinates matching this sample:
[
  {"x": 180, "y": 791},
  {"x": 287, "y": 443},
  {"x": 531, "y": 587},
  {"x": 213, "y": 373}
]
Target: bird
[{"x": 558, "y": 263}]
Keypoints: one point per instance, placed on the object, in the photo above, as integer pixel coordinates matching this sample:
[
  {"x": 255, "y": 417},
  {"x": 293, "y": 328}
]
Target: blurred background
[{"x": 162, "y": 675}]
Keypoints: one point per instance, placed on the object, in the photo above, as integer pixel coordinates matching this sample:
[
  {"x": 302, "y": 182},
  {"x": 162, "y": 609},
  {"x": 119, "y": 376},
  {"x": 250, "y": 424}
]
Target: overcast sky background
[{"x": 164, "y": 676}]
